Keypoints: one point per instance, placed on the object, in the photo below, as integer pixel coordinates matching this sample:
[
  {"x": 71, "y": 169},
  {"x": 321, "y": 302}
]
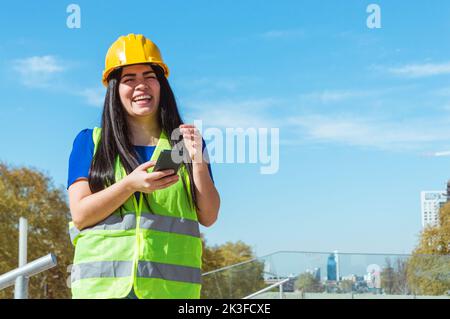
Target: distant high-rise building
[
  {"x": 431, "y": 202},
  {"x": 338, "y": 272},
  {"x": 316, "y": 274},
  {"x": 331, "y": 268}
]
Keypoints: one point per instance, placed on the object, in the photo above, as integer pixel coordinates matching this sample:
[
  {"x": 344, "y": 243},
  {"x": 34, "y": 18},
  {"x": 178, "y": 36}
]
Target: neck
[{"x": 144, "y": 131}]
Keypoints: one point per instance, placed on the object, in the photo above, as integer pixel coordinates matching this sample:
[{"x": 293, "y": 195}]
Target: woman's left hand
[{"x": 193, "y": 141}]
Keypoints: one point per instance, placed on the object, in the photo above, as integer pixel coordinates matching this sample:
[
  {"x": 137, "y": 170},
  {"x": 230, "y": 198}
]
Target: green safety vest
[{"x": 156, "y": 250}]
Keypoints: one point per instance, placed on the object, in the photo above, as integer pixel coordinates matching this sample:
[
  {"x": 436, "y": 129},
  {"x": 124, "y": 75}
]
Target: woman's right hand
[{"x": 142, "y": 181}]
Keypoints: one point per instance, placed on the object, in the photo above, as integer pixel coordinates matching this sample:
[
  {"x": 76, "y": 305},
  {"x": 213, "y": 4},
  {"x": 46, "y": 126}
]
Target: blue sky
[{"x": 363, "y": 114}]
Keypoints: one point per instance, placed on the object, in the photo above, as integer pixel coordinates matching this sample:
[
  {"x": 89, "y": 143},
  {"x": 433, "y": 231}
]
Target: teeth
[{"x": 142, "y": 97}]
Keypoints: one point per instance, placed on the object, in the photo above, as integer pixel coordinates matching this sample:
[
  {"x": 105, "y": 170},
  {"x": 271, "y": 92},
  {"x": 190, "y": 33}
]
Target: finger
[
  {"x": 187, "y": 131},
  {"x": 188, "y": 137},
  {"x": 191, "y": 135},
  {"x": 147, "y": 165},
  {"x": 190, "y": 130},
  {"x": 165, "y": 185},
  {"x": 187, "y": 126},
  {"x": 154, "y": 176},
  {"x": 165, "y": 181}
]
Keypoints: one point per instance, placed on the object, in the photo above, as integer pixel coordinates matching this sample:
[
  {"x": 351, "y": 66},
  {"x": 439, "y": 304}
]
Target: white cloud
[
  {"x": 94, "y": 97},
  {"x": 230, "y": 113},
  {"x": 440, "y": 154},
  {"x": 421, "y": 70},
  {"x": 37, "y": 71},
  {"x": 327, "y": 96},
  {"x": 415, "y": 134},
  {"x": 289, "y": 33},
  {"x": 39, "y": 64},
  {"x": 41, "y": 72},
  {"x": 367, "y": 132}
]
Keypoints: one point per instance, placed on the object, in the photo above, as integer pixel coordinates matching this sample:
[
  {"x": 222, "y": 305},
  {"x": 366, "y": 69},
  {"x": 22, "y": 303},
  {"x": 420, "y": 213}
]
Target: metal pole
[
  {"x": 29, "y": 270},
  {"x": 262, "y": 290},
  {"x": 21, "y": 286},
  {"x": 281, "y": 291}
]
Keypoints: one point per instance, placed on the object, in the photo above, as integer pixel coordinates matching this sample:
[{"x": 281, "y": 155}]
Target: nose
[{"x": 141, "y": 83}]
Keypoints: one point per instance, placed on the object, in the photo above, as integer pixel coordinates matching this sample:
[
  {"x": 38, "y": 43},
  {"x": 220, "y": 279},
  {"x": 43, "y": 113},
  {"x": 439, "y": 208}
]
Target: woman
[{"x": 136, "y": 231}]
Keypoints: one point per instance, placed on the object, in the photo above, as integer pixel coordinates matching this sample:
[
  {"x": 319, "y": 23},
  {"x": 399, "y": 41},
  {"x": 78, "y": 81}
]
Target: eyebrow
[{"x": 134, "y": 74}]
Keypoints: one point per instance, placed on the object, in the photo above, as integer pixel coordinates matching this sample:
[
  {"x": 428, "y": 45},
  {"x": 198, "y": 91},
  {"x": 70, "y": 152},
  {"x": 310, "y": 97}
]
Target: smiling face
[{"x": 139, "y": 90}]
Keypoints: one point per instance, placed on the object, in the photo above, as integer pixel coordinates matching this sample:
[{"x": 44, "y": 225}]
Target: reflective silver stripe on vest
[
  {"x": 170, "y": 224},
  {"x": 112, "y": 222},
  {"x": 146, "y": 269},
  {"x": 150, "y": 269},
  {"x": 73, "y": 232},
  {"x": 101, "y": 269},
  {"x": 148, "y": 221},
  {"x": 115, "y": 222}
]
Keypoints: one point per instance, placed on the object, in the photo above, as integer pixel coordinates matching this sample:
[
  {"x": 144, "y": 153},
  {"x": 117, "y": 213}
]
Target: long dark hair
[{"x": 115, "y": 135}]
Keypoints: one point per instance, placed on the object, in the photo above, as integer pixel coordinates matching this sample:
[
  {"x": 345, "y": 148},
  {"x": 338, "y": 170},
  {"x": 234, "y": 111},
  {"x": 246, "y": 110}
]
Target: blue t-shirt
[{"x": 83, "y": 151}]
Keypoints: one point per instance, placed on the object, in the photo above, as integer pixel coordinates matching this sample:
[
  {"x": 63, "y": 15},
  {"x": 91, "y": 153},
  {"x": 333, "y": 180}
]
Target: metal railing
[
  {"x": 331, "y": 275},
  {"x": 278, "y": 284},
  {"x": 19, "y": 276},
  {"x": 33, "y": 268}
]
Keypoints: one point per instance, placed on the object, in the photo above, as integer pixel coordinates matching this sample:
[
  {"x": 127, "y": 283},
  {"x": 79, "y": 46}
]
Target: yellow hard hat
[{"x": 132, "y": 49}]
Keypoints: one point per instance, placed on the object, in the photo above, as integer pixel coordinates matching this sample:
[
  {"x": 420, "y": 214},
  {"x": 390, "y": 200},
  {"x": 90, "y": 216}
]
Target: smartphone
[{"x": 168, "y": 159}]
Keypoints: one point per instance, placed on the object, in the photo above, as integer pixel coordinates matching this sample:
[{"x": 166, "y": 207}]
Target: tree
[
  {"x": 236, "y": 282},
  {"x": 402, "y": 277},
  {"x": 429, "y": 267},
  {"x": 346, "y": 286},
  {"x": 26, "y": 192},
  {"x": 388, "y": 278},
  {"x": 394, "y": 277},
  {"x": 306, "y": 282}
]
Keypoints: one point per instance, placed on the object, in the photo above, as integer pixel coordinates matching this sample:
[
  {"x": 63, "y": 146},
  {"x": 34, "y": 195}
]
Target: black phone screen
[{"x": 168, "y": 160}]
